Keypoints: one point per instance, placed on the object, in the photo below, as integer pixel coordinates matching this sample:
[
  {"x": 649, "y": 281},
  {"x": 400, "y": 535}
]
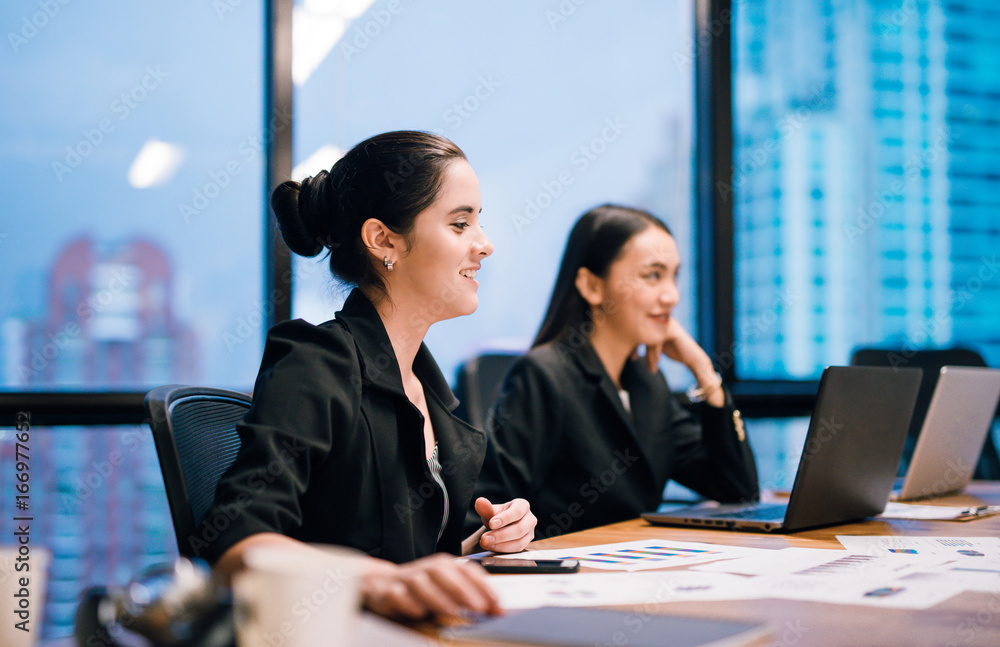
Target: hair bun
[{"x": 302, "y": 211}]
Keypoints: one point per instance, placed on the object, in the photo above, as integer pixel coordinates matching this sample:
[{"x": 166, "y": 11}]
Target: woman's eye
[
  {"x": 460, "y": 225},
  {"x": 652, "y": 276}
]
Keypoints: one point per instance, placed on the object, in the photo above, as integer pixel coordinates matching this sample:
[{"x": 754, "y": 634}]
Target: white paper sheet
[
  {"x": 817, "y": 562},
  {"x": 976, "y": 575},
  {"x": 893, "y": 593},
  {"x": 949, "y": 547},
  {"x": 896, "y": 510},
  {"x": 641, "y": 555},
  {"x": 608, "y": 589}
]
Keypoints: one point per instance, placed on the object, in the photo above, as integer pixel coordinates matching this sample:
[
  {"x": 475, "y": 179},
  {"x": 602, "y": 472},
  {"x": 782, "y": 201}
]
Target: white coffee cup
[
  {"x": 22, "y": 584},
  {"x": 288, "y": 597}
]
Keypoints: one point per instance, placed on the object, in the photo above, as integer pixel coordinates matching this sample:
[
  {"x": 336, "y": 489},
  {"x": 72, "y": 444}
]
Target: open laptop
[
  {"x": 958, "y": 418},
  {"x": 849, "y": 458}
]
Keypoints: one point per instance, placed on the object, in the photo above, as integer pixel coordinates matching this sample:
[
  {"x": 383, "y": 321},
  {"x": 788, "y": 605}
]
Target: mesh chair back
[
  {"x": 194, "y": 430},
  {"x": 931, "y": 361}
]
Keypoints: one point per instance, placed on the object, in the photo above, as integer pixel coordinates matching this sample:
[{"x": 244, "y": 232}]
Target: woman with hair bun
[
  {"x": 585, "y": 429},
  {"x": 351, "y": 438}
]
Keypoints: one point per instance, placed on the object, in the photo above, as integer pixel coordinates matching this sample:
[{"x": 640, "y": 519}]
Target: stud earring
[{"x": 388, "y": 263}]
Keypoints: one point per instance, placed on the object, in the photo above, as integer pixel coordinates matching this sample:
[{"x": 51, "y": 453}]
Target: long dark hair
[
  {"x": 596, "y": 240},
  {"x": 393, "y": 177}
]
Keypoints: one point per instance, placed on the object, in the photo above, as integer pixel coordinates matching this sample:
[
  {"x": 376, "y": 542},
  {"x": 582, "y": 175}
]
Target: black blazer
[
  {"x": 561, "y": 438},
  {"x": 333, "y": 451}
]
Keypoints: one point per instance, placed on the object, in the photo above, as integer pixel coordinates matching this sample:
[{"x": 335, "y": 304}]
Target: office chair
[
  {"x": 194, "y": 430},
  {"x": 478, "y": 385},
  {"x": 931, "y": 362}
]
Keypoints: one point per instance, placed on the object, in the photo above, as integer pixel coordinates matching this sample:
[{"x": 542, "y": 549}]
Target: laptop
[
  {"x": 951, "y": 438},
  {"x": 848, "y": 462}
]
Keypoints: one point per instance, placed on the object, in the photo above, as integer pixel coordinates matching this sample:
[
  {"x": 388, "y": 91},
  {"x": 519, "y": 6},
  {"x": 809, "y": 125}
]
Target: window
[
  {"x": 132, "y": 173},
  {"x": 132, "y": 176},
  {"x": 560, "y": 107},
  {"x": 864, "y": 179}
]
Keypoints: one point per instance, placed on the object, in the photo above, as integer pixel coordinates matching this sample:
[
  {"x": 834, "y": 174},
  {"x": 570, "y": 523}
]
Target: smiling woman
[
  {"x": 380, "y": 463},
  {"x": 585, "y": 430}
]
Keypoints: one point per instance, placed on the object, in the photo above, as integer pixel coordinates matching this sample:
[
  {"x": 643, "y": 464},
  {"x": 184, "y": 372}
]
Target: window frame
[{"x": 713, "y": 167}]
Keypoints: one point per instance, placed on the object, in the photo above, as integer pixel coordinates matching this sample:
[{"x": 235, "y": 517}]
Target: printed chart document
[
  {"x": 610, "y": 589},
  {"x": 946, "y": 547},
  {"x": 975, "y": 574},
  {"x": 844, "y": 577},
  {"x": 641, "y": 555},
  {"x": 566, "y": 627},
  {"x": 826, "y": 563},
  {"x": 900, "y": 593}
]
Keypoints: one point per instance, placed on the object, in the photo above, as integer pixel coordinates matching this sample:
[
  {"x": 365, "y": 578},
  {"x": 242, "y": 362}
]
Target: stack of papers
[{"x": 891, "y": 572}]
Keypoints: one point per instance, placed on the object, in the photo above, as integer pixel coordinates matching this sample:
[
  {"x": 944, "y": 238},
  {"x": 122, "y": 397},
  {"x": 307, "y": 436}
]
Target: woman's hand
[
  {"x": 438, "y": 586},
  {"x": 509, "y": 526},
  {"x": 681, "y": 347}
]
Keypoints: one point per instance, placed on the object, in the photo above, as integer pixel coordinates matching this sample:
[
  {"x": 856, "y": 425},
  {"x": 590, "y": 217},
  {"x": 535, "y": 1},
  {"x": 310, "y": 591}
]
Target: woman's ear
[
  {"x": 380, "y": 241},
  {"x": 590, "y": 287}
]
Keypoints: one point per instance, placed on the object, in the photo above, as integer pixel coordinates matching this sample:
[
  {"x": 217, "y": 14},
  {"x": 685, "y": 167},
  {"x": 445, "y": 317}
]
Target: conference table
[{"x": 971, "y": 618}]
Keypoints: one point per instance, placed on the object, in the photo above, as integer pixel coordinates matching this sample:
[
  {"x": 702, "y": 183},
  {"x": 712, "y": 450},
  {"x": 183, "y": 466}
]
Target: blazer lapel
[
  {"x": 591, "y": 365},
  {"x": 461, "y": 447}
]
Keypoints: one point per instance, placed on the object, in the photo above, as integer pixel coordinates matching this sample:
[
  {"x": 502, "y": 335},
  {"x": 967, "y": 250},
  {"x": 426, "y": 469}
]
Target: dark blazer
[
  {"x": 333, "y": 451},
  {"x": 561, "y": 438}
]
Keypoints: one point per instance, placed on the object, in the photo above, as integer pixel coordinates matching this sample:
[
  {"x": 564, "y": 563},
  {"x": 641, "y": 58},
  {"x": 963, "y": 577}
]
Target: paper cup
[
  {"x": 23, "y": 571},
  {"x": 293, "y": 598}
]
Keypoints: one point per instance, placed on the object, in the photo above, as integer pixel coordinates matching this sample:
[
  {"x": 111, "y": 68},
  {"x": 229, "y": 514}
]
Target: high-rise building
[
  {"x": 109, "y": 323},
  {"x": 97, "y": 495},
  {"x": 861, "y": 180}
]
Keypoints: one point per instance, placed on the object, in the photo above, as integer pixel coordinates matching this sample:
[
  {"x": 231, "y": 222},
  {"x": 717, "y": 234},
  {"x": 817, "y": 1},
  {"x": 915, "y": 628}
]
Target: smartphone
[{"x": 495, "y": 565}]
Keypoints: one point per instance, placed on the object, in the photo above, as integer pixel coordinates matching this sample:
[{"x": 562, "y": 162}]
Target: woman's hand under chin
[{"x": 681, "y": 347}]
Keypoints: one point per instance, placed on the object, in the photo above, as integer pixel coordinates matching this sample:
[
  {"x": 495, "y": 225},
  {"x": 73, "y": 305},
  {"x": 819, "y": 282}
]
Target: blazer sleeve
[
  {"x": 522, "y": 429},
  {"x": 710, "y": 457},
  {"x": 303, "y": 399}
]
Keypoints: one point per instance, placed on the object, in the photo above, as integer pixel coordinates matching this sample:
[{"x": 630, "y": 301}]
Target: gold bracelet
[{"x": 701, "y": 393}]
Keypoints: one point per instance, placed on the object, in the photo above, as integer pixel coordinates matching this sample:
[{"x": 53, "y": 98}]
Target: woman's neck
[
  {"x": 406, "y": 328},
  {"x": 612, "y": 350}
]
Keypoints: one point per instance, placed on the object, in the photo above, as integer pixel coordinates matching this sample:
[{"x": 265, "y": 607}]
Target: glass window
[
  {"x": 559, "y": 107},
  {"x": 132, "y": 175},
  {"x": 131, "y": 170},
  {"x": 864, "y": 180},
  {"x": 97, "y": 505}
]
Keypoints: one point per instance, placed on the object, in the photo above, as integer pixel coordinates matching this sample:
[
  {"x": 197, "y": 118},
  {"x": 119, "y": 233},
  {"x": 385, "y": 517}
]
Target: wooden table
[{"x": 966, "y": 619}]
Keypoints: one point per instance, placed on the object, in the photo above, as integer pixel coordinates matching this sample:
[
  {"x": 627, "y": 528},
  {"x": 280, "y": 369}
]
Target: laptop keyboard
[{"x": 765, "y": 512}]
